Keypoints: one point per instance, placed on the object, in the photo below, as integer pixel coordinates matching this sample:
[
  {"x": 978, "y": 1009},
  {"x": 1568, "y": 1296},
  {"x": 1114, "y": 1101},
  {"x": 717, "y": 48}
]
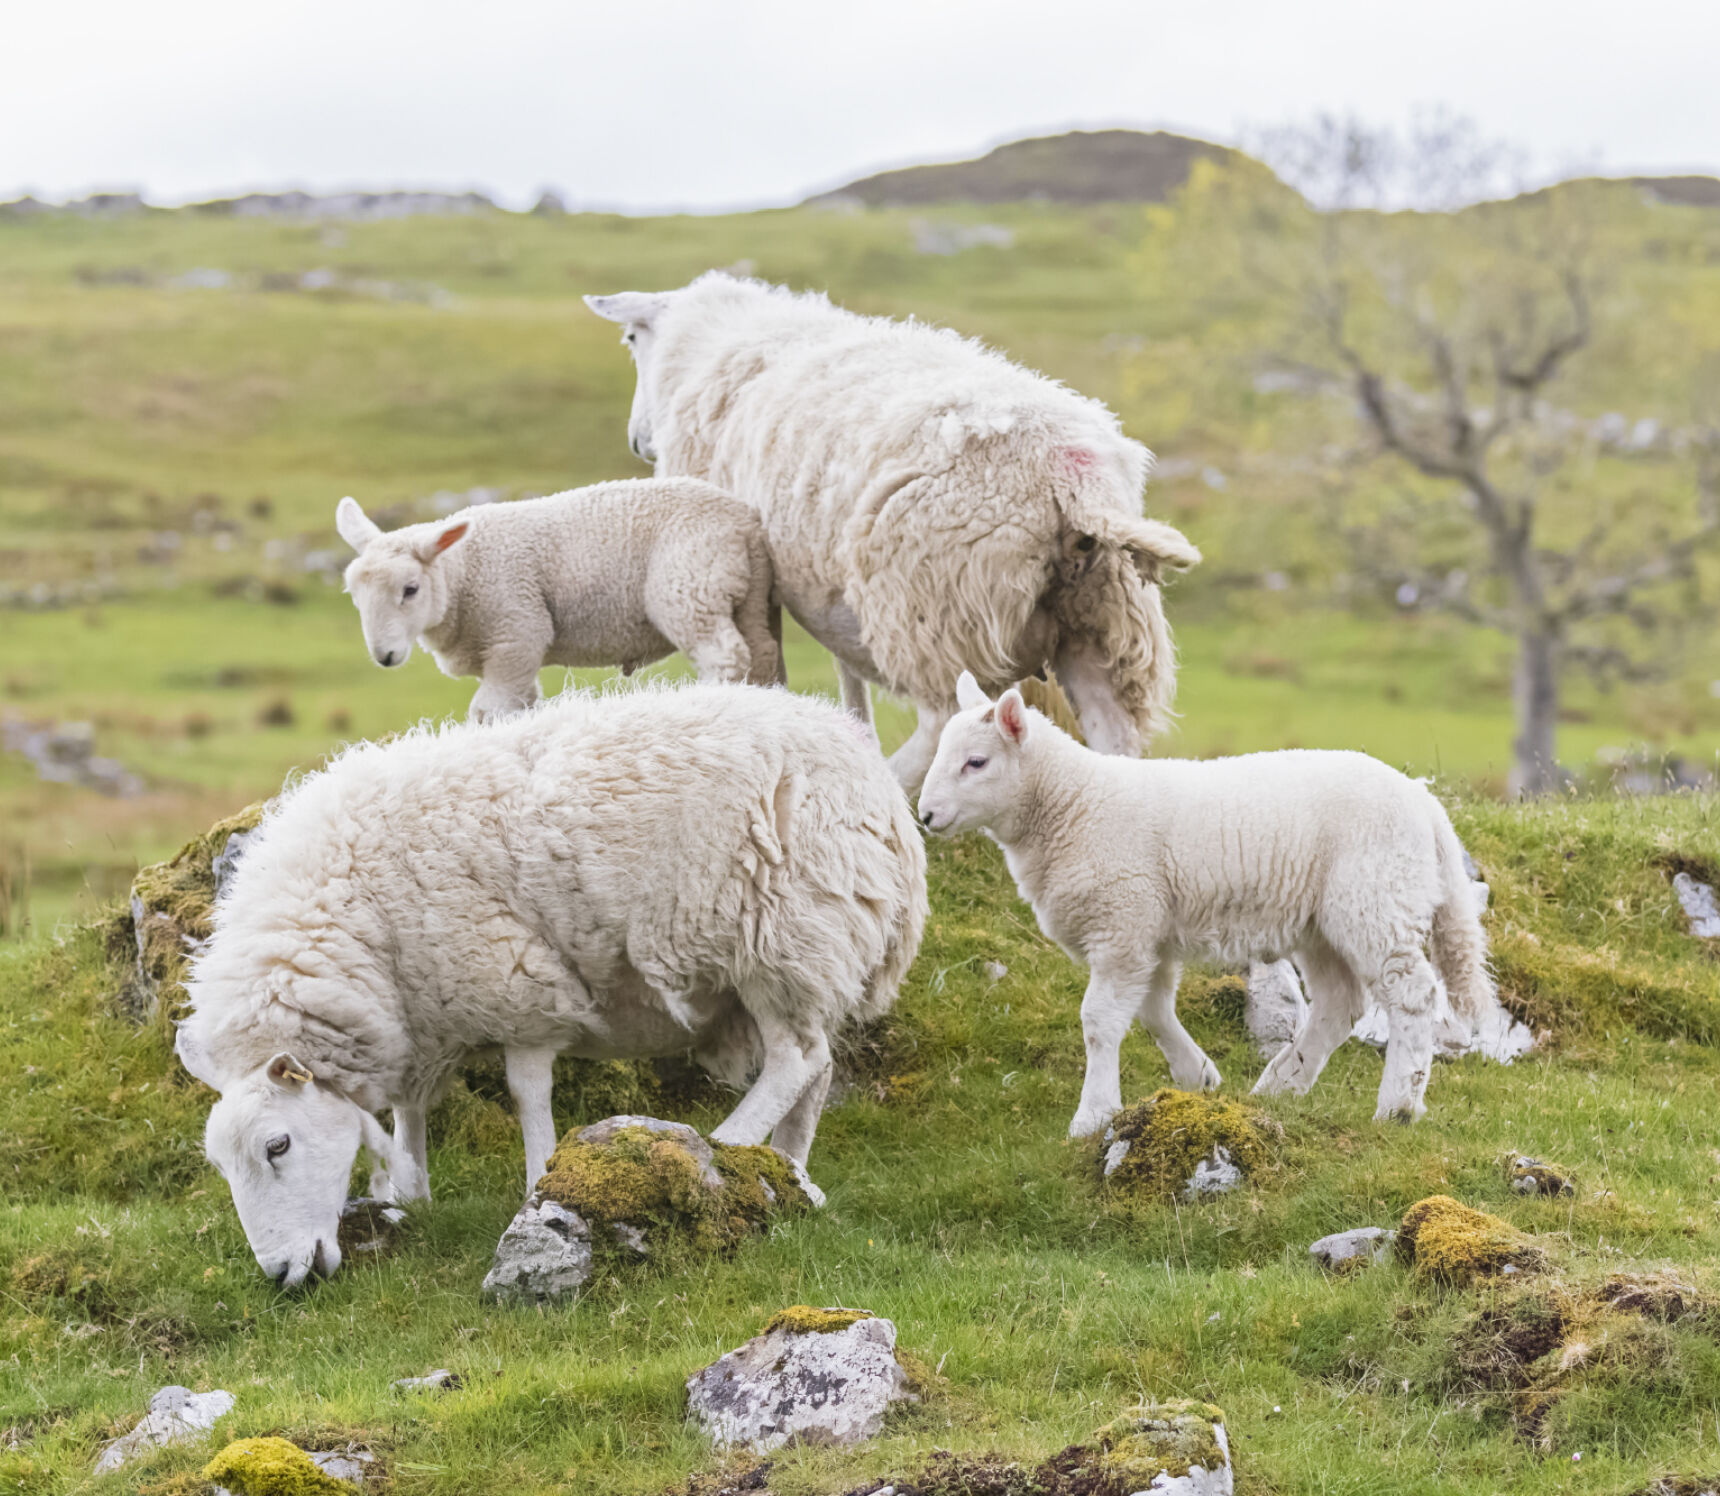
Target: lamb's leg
[
  {"x": 1108, "y": 1008},
  {"x": 786, "y": 1074},
  {"x": 856, "y": 696},
  {"x": 510, "y": 684},
  {"x": 910, "y": 762},
  {"x": 413, "y": 1147},
  {"x": 720, "y": 653},
  {"x": 531, "y": 1072},
  {"x": 794, "y": 1133},
  {"x": 1191, "y": 1069},
  {"x": 1410, "y": 998},
  {"x": 1335, "y": 1002},
  {"x": 1081, "y": 672}
]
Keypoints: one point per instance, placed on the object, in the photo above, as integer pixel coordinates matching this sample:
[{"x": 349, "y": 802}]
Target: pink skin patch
[{"x": 1078, "y": 460}]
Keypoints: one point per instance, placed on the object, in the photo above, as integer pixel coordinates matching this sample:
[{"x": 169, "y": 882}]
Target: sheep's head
[
  {"x": 286, "y": 1146},
  {"x": 976, "y": 778},
  {"x": 397, "y": 583},
  {"x": 638, "y": 312}
]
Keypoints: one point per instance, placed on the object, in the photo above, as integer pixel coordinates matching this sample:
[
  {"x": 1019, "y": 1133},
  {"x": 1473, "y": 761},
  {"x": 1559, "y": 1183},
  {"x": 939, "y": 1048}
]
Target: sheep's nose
[
  {"x": 925, "y": 818},
  {"x": 386, "y": 656}
]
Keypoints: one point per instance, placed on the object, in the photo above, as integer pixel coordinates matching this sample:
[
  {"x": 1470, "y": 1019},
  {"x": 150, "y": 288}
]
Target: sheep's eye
[
  {"x": 976, "y": 762},
  {"x": 276, "y": 1146},
  {"x": 631, "y": 337},
  {"x": 411, "y": 590}
]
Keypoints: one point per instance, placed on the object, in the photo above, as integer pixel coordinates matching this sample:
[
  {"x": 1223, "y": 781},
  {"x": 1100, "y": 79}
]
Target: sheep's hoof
[{"x": 1086, "y": 1124}]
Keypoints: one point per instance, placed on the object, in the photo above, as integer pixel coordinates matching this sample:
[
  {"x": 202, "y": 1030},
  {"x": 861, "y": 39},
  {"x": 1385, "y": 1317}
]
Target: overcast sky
[{"x": 647, "y": 104}]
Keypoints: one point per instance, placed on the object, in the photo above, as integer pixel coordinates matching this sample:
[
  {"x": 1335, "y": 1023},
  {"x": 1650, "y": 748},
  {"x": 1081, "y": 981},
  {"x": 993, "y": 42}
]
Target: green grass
[{"x": 957, "y": 1208}]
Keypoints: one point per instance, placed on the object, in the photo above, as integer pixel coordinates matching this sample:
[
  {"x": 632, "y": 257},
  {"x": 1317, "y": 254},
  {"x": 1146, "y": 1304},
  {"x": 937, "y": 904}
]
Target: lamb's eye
[
  {"x": 276, "y": 1146},
  {"x": 411, "y": 590},
  {"x": 976, "y": 762},
  {"x": 631, "y": 337}
]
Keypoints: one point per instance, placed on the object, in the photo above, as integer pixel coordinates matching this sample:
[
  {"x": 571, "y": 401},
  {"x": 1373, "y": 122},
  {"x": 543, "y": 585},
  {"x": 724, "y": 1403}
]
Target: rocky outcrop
[{"x": 1177, "y": 1144}]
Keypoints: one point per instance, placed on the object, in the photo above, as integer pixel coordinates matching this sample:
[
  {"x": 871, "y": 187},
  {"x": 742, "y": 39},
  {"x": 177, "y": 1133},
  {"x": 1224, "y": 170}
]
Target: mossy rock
[
  {"x": 804, "y": 1319},
  {"x": 171, "y": 907},
  {"x": 1453, "y": 1243},
  {"x": 1162, "y": 1439},
  {"x": 272, "y": 1467},
  {"x": 1152, "y": 1149}
]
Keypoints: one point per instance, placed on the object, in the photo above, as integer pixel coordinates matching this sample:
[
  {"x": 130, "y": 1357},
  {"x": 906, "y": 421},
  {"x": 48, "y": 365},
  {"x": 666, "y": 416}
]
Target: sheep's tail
[{"x": 1459, "y": 942}]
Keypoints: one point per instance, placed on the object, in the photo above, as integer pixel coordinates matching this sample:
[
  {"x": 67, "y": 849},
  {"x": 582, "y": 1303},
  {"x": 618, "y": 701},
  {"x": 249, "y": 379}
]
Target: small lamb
[
  {"x": 615, "y": 574},
  {"x": 1131, "y": 865}
]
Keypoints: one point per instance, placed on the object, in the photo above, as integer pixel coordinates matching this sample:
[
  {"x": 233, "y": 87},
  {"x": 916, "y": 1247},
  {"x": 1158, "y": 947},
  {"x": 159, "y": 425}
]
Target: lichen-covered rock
[
  {"x": 1447, "y": 1240},
  {"x": 1180, "y": 1143},
  {"x": 809, "y": 1377},
  {"x": 175, "y": 1415},
  {"x": 1276, "y": 1006},
  {"x": 171, "y": 903},
  {"x": 1534, "y": 1176},
  {"x": 1346, "y": 1251},
  {"x": 631, "y": 1187},
  {"x": 271, "y": 1466},
  {"x": 1178, "y": 1448}
]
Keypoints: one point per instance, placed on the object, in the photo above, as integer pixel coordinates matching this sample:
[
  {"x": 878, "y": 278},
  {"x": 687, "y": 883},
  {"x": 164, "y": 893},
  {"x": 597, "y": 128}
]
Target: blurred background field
[{"x": 185, "y": 395}]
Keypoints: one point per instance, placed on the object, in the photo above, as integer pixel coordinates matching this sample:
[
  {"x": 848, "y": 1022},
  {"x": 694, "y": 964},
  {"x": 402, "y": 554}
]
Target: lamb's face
[
  {"x": 286, "y": 1147},
  {"x": 637, "y": 312},
  {"x": 975, "y": 779},
  {"x": 397, "y": 600}
]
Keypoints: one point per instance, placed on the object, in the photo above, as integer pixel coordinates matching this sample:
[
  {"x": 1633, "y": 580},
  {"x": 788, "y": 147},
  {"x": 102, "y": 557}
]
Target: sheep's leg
[
  {"x": 773, "y": 622},
  {"x": 1108, "y": 1008},
  {"x": 784, "y": 1078},
  {"x": 412, "y": 1146},
  {"x": 910, "y": 762},
  {"x": 856, "y": 696},
  {"x": 794, "y": 1133},
  {"x": 1191, "y": 1070},
  {"x": 1081, "y": 672},
  {"x": 1335, "y": 1002},
  {"x": 510, "y": 684},
  {"x": 721, "y": 653},
  {"x": 531, "y": 1072},
  {"x": 1408, "y": 993}
]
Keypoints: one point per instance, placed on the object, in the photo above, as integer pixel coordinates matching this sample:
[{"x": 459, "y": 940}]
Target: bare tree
[{"x": 1453, "y": 331}]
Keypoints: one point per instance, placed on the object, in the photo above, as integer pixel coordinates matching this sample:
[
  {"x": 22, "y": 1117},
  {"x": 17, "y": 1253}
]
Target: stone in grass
[
  {"x": 1276, "y": 1007},
  {"x": 817, "y": 1376},
  {"x": 1178, "y": 1143},
  {"x": 440, "y": 1380},
  {"x": 634, "y": 1187},
  {"x": 1700, "y": 908},
  {"x": 1447, "y": 1240},
  {"x": 175, "y": 1415},
  {"x": 1346, "y": 1251},
  {"x": 1534, "y": 1176},
  {"x": 1178, "y": 1448},
  {"x": 273, "y": 1466}
]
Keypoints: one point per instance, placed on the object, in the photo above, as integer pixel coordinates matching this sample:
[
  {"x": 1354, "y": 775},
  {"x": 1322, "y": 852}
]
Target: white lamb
[
  {"x": 718, "y": 868},
  {"x": 930, "y": 505},
  {"x": 1133, "y": 866},
  {"x": 614, "y": 574}
]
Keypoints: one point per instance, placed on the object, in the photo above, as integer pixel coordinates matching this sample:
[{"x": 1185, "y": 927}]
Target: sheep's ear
[
  {"x": 1012, "y": 716},
  {"x": 1155, "y": 548},
  {"x": 429, "y": 550},
  {"x": 194, "y": 1058},
  {"x": 968, "y": 693},
  {"x": 356, "y": 527},
  {"x": 288, "y": 1072},
  {"x": 635, "y": 308}
]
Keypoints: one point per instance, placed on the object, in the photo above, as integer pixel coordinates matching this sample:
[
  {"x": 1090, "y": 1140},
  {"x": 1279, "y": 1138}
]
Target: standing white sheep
[
  {"x": 717, "y": 868},
  {"x": 1132, "y": 866},
  {"x": 615, "y": 574},
  {"x": 930, "y": 505}
]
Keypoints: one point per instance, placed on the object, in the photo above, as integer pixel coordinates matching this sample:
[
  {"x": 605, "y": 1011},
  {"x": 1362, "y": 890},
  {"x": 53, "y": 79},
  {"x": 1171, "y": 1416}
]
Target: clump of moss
[
  {"x": 1152, "y": 1147},
  {"x": 1224, "y": 995},
  {"x": 1168, "y": 1438},
  {"x": 1453, "y": 1243},
  {"x": 804, "y": 1319},
  {"x": 672, "y": 1185},
  {"x": 1534, "y": 1176},
  {"x": 272, "y": 1467}
]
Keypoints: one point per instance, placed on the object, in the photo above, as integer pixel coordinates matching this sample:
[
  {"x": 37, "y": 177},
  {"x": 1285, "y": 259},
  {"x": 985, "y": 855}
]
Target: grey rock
[
  {"x": 440, "y": 1380},
  {"x": 1276, "y": 1006},
  {"x": 1535, "y": 1176},
  {"x": 175, "y": 1415},
  {"x": 633, "y": 1238},
  {"x": 544, "y": 1254},
  {"x": 226, "y": 862},
  {"x": 788, "y": 1385},
  {"x": 1699, "y": 905},
  {"x": 1363, "y": 1246},
  {"x": 1115, "y": 1154},
  {"x": 1213, "y": 1175}
]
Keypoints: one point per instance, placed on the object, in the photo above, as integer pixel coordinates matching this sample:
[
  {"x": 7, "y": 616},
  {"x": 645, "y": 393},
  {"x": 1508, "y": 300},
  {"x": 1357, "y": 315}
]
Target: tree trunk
[{"x": 1535, "y": 695}]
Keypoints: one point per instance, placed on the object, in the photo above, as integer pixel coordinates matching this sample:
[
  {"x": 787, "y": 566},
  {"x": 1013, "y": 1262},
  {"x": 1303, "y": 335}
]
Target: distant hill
[
  {"x": 1082, "y": 166},
  {"x": 1683, "y": 192}
]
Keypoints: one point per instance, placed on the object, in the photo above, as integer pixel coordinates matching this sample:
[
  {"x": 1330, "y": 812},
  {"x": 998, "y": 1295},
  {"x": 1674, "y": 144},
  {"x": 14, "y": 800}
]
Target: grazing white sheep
[
  {"x": 614, "y": 574},
  {"x": 1334, "y": 858},
  {"x": 930, "y": 505},
  {"x": 718, "y": 868}
]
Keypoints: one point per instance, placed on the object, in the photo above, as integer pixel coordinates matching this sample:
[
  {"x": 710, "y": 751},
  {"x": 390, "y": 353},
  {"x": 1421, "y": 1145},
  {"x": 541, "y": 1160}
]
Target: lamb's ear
[
  {"x": 356, "y": 527},
  {"x": 1155, "y": 548},
  {"x": 968, "y": 693},
  {"x": 635, "y": 308},
  {"x": 289, "y": 1072},
  {"x": 428, "y": 550},
  {"x": 194, "y": 1058},
  {"x": 1012, "y": 716}
]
